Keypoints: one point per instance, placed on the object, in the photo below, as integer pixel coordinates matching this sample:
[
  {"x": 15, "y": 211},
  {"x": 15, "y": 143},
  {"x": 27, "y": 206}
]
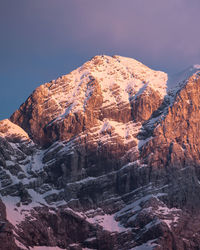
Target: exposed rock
[
  {"x": 7, "y": 238},
  {"x": 119, "y": 163},
  {"x": 103, "y": 90}
]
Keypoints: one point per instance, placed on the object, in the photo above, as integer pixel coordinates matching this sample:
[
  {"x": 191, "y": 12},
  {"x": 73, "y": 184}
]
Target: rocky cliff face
[
  {"x": 106, "y": 157},
  {"x": 114, "y": 88}
]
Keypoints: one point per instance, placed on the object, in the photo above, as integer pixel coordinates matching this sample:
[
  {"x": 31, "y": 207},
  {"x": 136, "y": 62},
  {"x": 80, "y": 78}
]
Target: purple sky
[{"x": 43, "y": 39}]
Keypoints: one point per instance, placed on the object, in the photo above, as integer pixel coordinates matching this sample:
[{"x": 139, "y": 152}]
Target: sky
[{"x": 41, "y": 40}]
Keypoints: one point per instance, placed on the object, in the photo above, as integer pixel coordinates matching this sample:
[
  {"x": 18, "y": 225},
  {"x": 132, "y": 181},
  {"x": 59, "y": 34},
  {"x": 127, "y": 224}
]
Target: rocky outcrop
[{"x": 178, "y": 131}]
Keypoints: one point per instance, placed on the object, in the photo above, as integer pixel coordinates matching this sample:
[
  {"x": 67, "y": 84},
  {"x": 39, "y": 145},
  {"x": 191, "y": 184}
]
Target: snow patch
[
  {"x": 142, "y": 142},
  {"x": 108, "y": 223},
  {"x": 119, "y": 79},
  {"x": 150, "y": 245},
  {"x": 14, "y": 214},
  {"x": 36, "y": 164}
]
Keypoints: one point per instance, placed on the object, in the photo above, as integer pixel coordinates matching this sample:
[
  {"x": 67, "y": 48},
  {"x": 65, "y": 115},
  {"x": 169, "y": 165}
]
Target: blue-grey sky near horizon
[{"x": 43, "y": 39}]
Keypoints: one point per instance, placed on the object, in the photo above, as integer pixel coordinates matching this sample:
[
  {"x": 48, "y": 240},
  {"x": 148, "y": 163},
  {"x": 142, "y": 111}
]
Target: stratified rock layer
[
  {"x": 109, "y": 160},
  {"x": 113, "y": 88},
  {"x": 177, "y": 136}
]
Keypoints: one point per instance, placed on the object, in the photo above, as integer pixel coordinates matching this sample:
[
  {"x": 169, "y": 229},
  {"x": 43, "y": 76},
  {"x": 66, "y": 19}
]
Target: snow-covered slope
[{"x": 114, "y": 74}]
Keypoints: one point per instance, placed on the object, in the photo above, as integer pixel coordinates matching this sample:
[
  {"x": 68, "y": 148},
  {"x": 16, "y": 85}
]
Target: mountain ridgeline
[{"x": 106, "y": 157}]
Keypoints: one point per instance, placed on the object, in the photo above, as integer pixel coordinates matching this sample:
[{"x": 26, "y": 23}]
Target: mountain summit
[
  {"x": 106, "y": 157},
  {"x": 103, "y": 88}
]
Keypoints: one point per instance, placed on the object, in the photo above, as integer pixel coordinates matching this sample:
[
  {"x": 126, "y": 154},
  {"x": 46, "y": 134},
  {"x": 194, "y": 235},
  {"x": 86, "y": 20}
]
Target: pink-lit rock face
[
  {"x": 109, "y": 160},
  {"x": 179, "y": 132},
  {"x": 114, "y": 88}
]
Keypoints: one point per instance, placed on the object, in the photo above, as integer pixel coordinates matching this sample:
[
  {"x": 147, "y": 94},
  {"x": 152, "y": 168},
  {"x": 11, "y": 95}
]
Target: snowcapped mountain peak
[
  {"x": 112, "y": 162},
  {"x": 128, "y": 69},
  {"x": 115, "y": 76},
  {"x": 104, "y": 86}
]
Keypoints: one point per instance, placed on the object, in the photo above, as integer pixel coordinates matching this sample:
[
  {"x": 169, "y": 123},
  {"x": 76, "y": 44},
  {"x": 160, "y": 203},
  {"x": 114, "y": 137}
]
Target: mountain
[{"x": 106, "y": 157}]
